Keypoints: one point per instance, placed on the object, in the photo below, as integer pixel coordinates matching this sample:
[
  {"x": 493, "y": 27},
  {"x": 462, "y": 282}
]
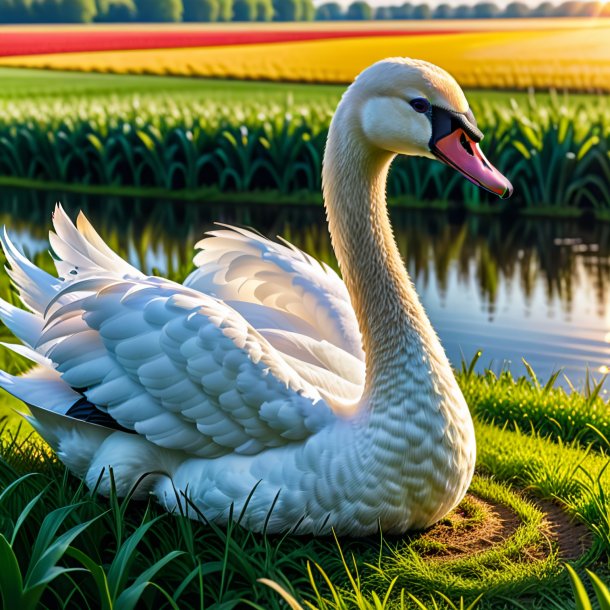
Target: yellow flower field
[{"x": 575, "y": 56}]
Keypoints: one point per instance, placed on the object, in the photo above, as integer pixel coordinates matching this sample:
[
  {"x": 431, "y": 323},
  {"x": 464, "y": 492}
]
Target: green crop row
[{"x": 556, "y": 153}]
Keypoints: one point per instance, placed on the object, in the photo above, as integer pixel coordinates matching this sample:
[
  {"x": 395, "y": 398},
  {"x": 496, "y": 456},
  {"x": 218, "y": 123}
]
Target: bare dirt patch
[
  {"x": 572, "y": 537},
  {"x": 478, "y": 525},
  {"x": 467, "y": 531}
]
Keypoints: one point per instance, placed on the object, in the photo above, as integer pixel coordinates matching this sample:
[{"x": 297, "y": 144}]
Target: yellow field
[{"x": 563, "y": 54}]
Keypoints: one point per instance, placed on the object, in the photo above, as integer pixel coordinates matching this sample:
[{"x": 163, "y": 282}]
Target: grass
[
  {"x": 46, "y": 84},
  {"x": 547, "y": 409},
  {"x": 119, "y": 543},
  {"x": 126, "y": 552}
]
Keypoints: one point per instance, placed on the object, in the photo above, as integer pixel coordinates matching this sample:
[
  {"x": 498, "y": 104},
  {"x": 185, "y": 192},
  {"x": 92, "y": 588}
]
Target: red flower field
[{"x": 47, "y": 42}]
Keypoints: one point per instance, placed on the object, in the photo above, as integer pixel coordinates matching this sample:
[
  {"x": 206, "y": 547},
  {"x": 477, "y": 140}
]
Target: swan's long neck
[{"x": 403, "y": 354}]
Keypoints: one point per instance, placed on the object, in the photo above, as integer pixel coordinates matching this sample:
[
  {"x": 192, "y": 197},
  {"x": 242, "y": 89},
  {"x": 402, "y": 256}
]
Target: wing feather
[
  {"x": 183, "y": 365},
  {"x": 277, "y": 287},
  {"x": 240, "y": 266},
  {"x": 189, "y": 371}
]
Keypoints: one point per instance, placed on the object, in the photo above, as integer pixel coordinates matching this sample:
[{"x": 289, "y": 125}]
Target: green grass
[
  {"x": 544, "y": 408},
  {"x": 46, "y": 84},
  {"x": 27, "y": 84},
  {"x": 30, "y": 83},
  {"x": 124, "y": 541}
]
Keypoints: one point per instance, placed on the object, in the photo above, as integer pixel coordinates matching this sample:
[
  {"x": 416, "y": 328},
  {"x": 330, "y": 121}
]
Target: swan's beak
[{"x": 455, "y": 141}]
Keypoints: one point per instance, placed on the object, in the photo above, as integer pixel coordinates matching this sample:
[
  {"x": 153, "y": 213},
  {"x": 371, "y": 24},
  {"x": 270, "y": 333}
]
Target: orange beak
[
  {"x": 462, "y": 153},
  {"x": 455, "y": 141}
]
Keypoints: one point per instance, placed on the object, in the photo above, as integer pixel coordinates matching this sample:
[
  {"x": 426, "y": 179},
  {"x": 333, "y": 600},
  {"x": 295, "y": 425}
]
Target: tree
[
  {"x": 115, "y": 11},
  {"x": 225, "y": 10},
  {"x": 591, "y": 9},
  {"x": 516, "y": 10},
  {"x": 78, "y": 11},
  {"x": 201, "y": 10},
  {"x": 159, "y": 11},
  {"x": 64, "y": 11},
  {"x": 404, "y": 11},
  {"x": 443, "y": 11},
  {"x": 546, "y": 9},
  {"x": 244, "y": 10},
  {"x": 329, "y": 11},
  {"x": 568, "y": 9},
  {"x": 264, "y": 10},
  {"x": 308, "y": 11},
  {"x": 383, "y": 12},
  {"x": 359, "y": 11},
  {"x": 463, "y": 11},
  {"x": 485, "y": 10},
  {"x": 15, "y": 11},
  {"x": 288, "y": 10},
  {"x": 422, "y": 11},
  {"x": 46, "y": 11}
]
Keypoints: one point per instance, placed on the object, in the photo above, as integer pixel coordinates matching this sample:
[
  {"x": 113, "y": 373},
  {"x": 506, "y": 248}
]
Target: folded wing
[
  {"x": 182, "y": 368},
  {"x": 299, "y": 305}
]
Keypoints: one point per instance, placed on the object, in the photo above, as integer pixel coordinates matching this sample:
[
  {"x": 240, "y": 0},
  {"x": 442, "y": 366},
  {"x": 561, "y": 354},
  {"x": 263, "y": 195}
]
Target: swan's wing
[
  {"x": 277, "y": 287},
  {"x": 179, "y": 367}
]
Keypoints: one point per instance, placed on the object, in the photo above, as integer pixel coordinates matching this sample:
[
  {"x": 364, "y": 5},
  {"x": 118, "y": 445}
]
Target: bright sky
[{"x": 436, "y": 2}]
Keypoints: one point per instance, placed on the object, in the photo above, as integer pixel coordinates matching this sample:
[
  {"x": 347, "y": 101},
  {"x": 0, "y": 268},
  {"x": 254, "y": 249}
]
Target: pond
[{"x": 511, "y": 287}]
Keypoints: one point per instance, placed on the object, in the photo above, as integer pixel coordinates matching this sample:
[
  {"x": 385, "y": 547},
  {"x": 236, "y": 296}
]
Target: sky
[{"x": 436, "y": 2}]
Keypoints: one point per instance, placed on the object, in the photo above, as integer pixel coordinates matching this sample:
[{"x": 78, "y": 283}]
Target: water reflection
[{"x": 512, "y": 287}]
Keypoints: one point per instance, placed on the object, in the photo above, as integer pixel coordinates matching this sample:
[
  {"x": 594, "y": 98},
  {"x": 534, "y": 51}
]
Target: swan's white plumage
[
  {"x": 241, "y": 267},
  {"x": 252, "y": 373},
  {"x": 179, "y": 367}
]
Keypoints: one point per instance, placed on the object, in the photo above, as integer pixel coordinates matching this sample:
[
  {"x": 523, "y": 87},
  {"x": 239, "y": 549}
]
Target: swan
[{"x": 265, "y": 386}]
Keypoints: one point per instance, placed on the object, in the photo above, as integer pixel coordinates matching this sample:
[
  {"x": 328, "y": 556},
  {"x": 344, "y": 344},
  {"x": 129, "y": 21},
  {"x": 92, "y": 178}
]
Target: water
[{"x": 513, "y": 288}]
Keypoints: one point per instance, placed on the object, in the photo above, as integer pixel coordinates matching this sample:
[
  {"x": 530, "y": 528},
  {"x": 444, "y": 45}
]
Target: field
[
  {"x": 478, "y": 56},
  {"x": 156, "y": 136}
]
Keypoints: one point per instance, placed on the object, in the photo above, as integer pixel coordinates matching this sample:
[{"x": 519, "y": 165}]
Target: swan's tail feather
[
  {"x": 41, "y": 387},
  {"x": 27, "y": 352},
  {"x": 35, "y": 286},
  {"x": 81, "y": 250},
  {"x": 74, "y": 441},
  {"x": 26, "y": 326},
  {"x": 78, "y": 253}
]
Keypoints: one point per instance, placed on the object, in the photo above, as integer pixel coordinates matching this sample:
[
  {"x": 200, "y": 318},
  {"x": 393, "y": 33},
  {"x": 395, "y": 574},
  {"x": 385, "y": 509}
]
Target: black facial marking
[
  {"x": 466, "y": 145},
  {"x": 446, "y": 121}
]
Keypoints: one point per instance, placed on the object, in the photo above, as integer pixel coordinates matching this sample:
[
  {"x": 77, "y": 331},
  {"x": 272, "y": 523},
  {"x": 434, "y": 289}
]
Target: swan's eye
[{"x": 420, "y": 104}]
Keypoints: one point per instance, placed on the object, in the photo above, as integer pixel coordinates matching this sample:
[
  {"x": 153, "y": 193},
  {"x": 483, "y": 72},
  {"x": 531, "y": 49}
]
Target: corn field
[{"x": 556, "y": 153}]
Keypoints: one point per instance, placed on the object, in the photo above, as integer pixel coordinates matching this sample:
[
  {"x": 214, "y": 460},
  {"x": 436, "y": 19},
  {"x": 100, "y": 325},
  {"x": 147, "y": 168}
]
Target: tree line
[{"x": 119, "y": 11}]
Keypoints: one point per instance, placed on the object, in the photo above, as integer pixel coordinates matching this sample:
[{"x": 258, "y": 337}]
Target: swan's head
[{"x": 412, "y": 107}]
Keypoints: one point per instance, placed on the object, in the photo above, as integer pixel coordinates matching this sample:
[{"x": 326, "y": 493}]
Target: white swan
[{"x": 264, "y": 370}]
